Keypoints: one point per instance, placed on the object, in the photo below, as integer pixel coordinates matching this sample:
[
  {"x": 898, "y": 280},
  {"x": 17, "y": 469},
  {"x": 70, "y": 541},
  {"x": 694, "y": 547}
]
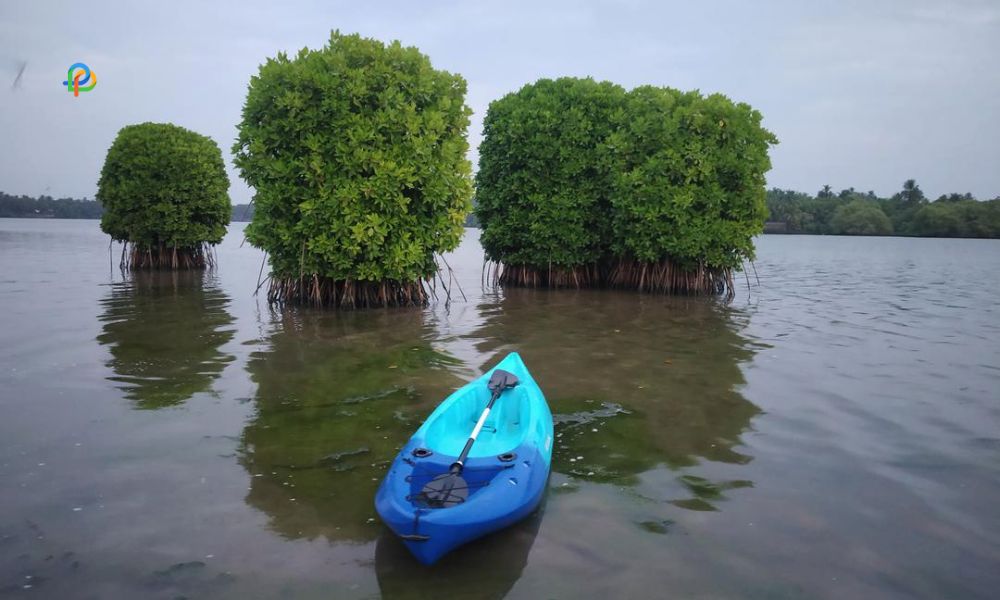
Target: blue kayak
[{"x": 499, "y": 483}]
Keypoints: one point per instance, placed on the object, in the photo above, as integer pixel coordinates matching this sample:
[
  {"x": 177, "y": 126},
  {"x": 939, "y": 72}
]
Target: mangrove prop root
[
  {"x": 549, "y": 277},
  {"x": 165, "y": 256},
  {"x": 313, "y": 290},
  {"x": 667, "y": 277},
  {"x": 663, "y": 277}
]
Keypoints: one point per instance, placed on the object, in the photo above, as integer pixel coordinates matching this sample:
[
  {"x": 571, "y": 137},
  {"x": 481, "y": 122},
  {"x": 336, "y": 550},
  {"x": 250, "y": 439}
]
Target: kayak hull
[{"x": 506, "y": 475}]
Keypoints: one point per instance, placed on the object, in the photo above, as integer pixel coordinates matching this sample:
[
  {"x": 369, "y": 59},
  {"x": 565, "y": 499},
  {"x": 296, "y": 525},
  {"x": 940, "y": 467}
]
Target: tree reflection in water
[
  {"x": 633, "y": 381},
  {"x": 337, "y": 395},
  {"x": 164, "y": 330}
]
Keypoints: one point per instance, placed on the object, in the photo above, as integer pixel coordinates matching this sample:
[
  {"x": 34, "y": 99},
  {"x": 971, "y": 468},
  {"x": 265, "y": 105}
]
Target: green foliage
[
  {"x": 163, "y": 185},
  {"x": 543, "y": 185},
  {"x": 860, "y": 217},
  {"x": 357, "y": 155},
  {"x": 962, "y": 218},
  {"x": 573, "y": 172},
  {"x": 954, "y": 197},
  {"x": 907, "y": 211},
  {"x": 689, "y": 178}
]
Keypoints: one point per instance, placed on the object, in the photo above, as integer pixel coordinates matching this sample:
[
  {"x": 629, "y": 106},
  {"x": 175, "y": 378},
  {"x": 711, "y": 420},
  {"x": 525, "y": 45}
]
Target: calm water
[{"x": 836, "y": 434}]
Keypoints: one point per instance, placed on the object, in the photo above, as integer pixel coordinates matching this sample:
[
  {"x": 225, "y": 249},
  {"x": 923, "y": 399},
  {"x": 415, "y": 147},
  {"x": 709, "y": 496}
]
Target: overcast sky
[{"x": 860, "y": 93}]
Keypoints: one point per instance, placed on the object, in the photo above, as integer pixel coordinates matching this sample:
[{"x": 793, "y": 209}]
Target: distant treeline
[
  {"x": 242, "y": 212},
  {"x": 907, "y": 212},
  {"x": 47, "y": 207}
]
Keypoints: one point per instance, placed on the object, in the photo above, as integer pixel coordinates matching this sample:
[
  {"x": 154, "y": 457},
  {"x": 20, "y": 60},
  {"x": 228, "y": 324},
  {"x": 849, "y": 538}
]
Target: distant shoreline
[
  {"x": 47, "y": 207},
  {"x": 768, "y": 233}
]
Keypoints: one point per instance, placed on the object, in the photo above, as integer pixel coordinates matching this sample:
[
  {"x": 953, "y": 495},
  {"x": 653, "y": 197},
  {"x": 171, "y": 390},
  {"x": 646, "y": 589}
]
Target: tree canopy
[
  {"x": 356, "y": 152},
  {"x": 860, "y": 217},
  {"x": 164, "y": 190}
]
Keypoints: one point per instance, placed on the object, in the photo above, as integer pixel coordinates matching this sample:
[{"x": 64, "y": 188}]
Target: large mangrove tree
[
  {"x": 164, "y": 190},
  {"x": 581, "y": 184},
  {"x": 356, "y": 152}
]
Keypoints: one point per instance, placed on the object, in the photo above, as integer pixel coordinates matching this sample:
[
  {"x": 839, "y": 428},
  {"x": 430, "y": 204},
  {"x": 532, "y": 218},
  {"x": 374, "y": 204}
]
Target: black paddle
[{"x": 449, "y": 489}]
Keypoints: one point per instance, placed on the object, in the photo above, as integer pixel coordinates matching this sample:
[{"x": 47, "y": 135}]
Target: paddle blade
[{"x": 501, "y": 380}]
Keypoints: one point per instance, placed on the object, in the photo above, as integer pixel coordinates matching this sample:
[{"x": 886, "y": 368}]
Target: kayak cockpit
[{"x": 504, "y": 430}]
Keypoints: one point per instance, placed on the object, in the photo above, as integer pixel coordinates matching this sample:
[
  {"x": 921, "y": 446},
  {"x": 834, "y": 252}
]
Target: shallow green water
[{"x": 834, "y": 435}]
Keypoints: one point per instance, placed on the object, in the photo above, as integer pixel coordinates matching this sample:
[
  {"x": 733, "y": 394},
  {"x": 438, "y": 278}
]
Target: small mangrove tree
[
  {"x": 164, "y": 190},
  {"x": 357, "y": 155},
  {"x": 544, "y": 183}
]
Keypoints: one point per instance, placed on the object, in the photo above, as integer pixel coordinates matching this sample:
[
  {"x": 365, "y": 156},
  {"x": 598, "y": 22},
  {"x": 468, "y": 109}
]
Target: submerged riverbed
[{"x": 835, "y": 433}]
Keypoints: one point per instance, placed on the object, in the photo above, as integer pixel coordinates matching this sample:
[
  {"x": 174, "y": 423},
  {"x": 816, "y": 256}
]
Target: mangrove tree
[
  {"x": 164, "y": 190},
  {"x": 356, "y": 153}
]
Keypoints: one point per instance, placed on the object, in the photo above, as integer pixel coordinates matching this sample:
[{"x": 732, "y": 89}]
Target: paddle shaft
[{"x": 458, "y": 464}]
